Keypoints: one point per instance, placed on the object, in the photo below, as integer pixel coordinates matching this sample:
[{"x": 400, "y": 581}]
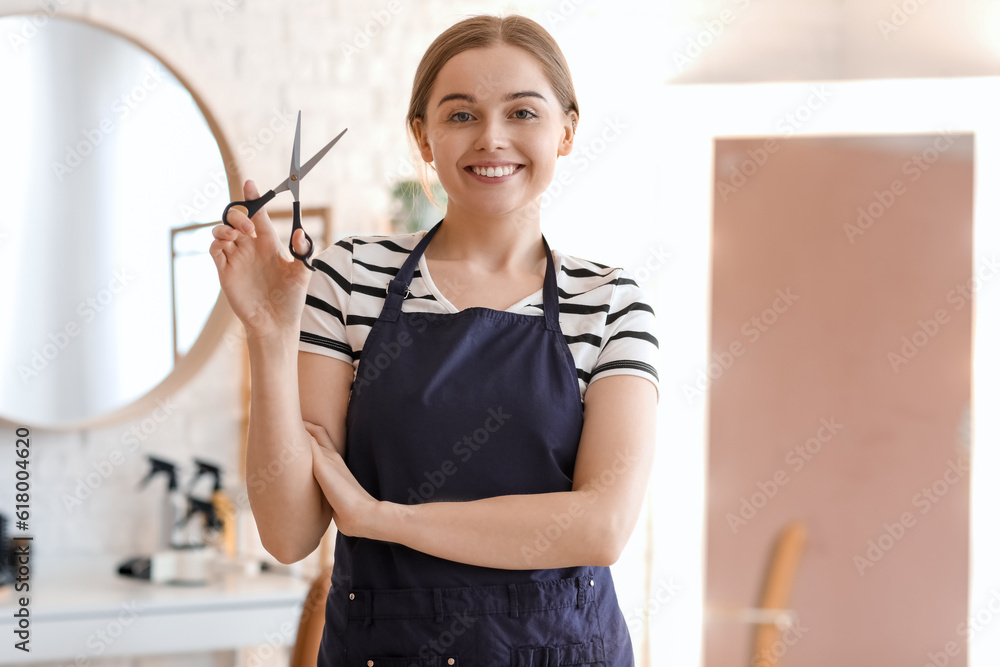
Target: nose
[{"x": 492, "y": 134}]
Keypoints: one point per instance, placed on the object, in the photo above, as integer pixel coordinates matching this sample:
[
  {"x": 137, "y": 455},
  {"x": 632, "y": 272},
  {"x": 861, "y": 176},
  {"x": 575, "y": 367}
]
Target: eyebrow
[{"x": 510, "y": 97}]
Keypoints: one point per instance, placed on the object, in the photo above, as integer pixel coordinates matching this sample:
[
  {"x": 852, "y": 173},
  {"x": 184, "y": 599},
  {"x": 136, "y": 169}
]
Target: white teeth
[{"x": 493, "y": 172}]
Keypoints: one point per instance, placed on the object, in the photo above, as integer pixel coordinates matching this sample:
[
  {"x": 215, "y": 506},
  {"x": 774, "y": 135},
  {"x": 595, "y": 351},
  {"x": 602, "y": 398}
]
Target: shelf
[{"x": 83, "y": 608}]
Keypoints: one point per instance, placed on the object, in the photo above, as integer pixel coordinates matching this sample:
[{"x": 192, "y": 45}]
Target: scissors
[{"x": 295, "y": 174}]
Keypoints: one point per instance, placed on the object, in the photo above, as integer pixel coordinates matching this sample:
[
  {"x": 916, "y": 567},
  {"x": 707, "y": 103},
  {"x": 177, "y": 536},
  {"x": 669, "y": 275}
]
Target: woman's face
[{"x": 492, "y": 111}]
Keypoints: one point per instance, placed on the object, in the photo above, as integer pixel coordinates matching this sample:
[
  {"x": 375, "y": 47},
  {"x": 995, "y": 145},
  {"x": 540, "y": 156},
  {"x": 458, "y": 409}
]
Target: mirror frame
[{"x": 221, "y": 316}]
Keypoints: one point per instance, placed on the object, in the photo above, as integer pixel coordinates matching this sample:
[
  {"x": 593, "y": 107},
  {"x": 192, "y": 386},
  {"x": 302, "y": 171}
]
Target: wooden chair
[
  {"x": 306, "y": 649},
  {"x": 772, "y": 614},
  {"x": 784, "y": 563}
]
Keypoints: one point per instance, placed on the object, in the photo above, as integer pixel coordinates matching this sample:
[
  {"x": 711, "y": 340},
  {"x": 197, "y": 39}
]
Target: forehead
[{"x": 492, "y": 72}]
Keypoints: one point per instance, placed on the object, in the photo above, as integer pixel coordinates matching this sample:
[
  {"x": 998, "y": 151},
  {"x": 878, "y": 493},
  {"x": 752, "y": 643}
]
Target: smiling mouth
[{"x": 494, "y": 172}]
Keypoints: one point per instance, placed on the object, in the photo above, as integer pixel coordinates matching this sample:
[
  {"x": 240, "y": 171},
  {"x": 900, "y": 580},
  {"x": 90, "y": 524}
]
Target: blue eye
[
  {"x": 465, "y": 116},
  {"x": 529, "y": 114}
]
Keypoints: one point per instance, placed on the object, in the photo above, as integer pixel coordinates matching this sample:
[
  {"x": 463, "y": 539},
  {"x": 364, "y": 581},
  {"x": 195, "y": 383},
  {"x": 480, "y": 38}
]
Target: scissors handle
[
  {"x": 297, "y": 224},
  {"x": 251, "y": 206}
]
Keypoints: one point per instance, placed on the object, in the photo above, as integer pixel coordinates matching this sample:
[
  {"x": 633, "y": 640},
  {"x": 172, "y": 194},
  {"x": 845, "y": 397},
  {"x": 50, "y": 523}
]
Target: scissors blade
[
  {"x": 289, "y": 182},
  {"x": 319, "y": 156},
  {"x": 285, "y": 185},
  {"x": 294, "y": 175}
]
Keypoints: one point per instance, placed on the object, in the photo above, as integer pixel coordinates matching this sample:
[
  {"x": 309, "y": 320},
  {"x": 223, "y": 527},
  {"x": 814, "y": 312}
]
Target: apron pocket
[
  {"x": 590, "y": 654},
  {"x": 432, "y": 661}
]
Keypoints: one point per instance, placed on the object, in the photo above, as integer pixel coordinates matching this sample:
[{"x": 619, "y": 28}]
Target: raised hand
[{"x": 264, "y": 286}]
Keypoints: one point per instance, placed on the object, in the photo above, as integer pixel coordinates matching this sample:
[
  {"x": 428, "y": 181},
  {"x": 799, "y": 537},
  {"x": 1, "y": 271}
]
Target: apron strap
[
  {"x": 400, "y": 284},
  {"x": 550, "y": 291}
]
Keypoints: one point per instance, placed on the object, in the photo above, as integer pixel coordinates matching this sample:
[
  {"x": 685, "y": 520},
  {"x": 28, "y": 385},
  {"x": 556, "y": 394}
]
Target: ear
[
  {"x": 569, "y": 133},
  {"x": 423, "y": 140}
]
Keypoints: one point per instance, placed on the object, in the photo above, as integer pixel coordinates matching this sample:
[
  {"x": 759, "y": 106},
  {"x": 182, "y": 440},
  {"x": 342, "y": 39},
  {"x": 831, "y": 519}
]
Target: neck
[{"x": 510, "y": 241}]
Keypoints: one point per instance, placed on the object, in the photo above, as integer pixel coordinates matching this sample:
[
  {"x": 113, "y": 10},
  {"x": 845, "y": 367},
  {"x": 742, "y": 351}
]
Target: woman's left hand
[{"x": 353, "y": 507}]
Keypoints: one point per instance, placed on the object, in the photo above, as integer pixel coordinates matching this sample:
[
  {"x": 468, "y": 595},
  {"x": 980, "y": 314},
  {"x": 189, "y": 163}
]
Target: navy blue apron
[{"x": 458, "y": 407}]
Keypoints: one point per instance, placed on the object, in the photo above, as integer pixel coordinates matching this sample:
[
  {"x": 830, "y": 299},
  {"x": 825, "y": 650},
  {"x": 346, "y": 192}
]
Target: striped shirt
[{"x": 602, "y": 311}]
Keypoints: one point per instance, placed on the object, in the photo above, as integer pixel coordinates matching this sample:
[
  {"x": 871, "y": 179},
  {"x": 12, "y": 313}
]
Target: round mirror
[{"x": 113, "y": 176}]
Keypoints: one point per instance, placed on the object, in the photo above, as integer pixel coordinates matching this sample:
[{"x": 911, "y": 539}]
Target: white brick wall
[{"x": 252, "y": 59}]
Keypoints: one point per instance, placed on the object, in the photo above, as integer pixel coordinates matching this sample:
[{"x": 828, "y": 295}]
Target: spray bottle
[
  {"x": 173, "y": 505},
  {"x": 209, "y": 524},
  {"x": 223, "y": 511}
]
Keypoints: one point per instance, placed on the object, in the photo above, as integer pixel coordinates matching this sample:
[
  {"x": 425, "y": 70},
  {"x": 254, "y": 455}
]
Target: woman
[{"x": 478, "y": 510}]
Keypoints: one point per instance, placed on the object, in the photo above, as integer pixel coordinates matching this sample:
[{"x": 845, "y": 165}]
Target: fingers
[
  {"x": 229, "y": 239},
  {"x": 250, "y": 190},
  {"x": 260, "y": 221},
  {"x": 241, "y": 229},
  {"x": 225, "y": 232},
  {"x": 237, "y": 215},
  {"x": 310, "y": 428},
  {"x": 319, "y": 434},
  {"x": 300, "y": 242},
  {"x": 239, "y": 221},
  {"x": 218, "y": 256}
]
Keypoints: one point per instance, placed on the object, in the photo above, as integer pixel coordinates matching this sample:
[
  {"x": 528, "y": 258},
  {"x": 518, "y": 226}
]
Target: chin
[{"x": 504, "y": 211}]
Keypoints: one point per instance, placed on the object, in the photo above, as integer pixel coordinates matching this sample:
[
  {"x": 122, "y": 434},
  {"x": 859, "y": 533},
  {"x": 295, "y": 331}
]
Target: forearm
[
  {"x": 589, "y": 525},
  {"x": 288, "y": 505},
  {"x": 550, "y": 530}
]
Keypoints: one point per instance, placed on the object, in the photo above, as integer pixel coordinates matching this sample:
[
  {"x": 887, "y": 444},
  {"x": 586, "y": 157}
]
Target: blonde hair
[{"x": 480, "y": 32}]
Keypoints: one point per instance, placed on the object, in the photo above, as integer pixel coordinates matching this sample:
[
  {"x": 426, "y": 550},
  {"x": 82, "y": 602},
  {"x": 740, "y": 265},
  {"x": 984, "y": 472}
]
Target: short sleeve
[
  {"x": 628, "y": 345},
  {"x": 323, "y": 328}
]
